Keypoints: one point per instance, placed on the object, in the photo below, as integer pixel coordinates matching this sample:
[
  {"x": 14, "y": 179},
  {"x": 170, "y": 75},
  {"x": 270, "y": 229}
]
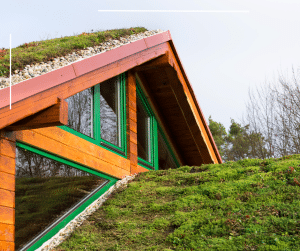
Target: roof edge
[{"x": 216, "y": 151}]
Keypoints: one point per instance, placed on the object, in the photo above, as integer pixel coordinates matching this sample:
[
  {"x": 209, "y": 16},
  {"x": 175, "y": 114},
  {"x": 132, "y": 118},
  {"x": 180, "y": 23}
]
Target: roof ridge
[{"x": 38, "y": 69}]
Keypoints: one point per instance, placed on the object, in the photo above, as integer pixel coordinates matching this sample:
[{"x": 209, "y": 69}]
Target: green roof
[
  {"x": 46, "y": 50},
  {"x": 250, "y": 204}
]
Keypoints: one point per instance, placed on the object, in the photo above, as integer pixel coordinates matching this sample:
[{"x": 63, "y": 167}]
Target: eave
[{"x": 35, "y": 95}]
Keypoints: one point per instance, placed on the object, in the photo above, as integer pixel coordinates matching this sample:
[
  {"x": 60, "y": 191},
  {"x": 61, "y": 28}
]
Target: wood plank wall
[
  {"x": 67, "y": 145},
  {"x": 7, "y": 189},
  {"x": 131, "y": 121}
]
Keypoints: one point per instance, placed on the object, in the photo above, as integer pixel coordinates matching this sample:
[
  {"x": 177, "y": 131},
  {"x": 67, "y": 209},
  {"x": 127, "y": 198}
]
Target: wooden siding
[
  {"x": 30, "y": 105},
  {"x": 131, "y": 132},
  {"x": 7, "y": 189},
  {"x": 67, "y": 145}
]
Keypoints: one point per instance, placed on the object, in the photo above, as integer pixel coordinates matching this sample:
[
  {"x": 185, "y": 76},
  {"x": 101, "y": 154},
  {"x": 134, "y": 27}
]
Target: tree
[{"x": 219, "y": 133}]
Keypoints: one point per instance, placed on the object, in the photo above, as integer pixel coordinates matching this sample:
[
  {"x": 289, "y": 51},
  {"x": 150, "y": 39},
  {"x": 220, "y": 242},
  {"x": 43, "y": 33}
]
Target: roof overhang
[{"x": 155, "y": 61}]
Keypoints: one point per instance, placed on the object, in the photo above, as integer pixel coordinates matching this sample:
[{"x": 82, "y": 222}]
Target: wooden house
[{"x": 128, "y": 110}]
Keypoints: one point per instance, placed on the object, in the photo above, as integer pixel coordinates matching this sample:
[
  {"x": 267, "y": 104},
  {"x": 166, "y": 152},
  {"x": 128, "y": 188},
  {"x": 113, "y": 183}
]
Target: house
[{"x": 73, "y": 132}]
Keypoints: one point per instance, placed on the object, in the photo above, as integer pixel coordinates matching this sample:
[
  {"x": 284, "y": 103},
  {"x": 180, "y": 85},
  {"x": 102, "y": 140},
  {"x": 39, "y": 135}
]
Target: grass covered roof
[{"x": 47, "y": 50}]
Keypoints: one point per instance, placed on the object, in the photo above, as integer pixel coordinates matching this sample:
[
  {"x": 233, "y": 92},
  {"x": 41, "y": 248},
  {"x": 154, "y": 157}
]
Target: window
[
  {"x": 146, "y": 133},
  {"x": 143, "y": 135},
  {"x": 80, "y": 112},
  {"x": 98, "y": 114},
  {"x": 166, "y": 158},
  {"x": 49, "y": 191}
]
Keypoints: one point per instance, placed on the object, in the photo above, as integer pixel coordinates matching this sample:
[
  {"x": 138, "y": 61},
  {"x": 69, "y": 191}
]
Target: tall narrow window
[
  {"x": 143, "y": 132},
  {"x": 80, "y": 112},
  {"x": 110, "y": 111}
]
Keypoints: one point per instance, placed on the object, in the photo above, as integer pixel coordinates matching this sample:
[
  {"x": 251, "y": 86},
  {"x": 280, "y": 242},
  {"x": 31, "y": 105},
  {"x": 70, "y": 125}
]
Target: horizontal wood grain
[
  {"x": 55, "y": 115},
  {"x": 7, "y": 148},
  {"x": 7, "y": 164},
  {"x": 138, "y": 169},
  {"x": 7, "y": 198},
  {"x": 7, "y": 215},
  {"x": 7, "y": 181},
  {"x": 69, "y": 146},
  {"x": 6, "y": 232},
  {"x": 7, "y": 246},
  {"x": 39, "y": 101}
]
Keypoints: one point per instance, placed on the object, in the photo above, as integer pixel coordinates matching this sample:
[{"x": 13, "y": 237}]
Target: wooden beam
[
  {"x": 55, "y": 115},
  {"x": 69, "y": 146},
  {"x": 131, "y": 112},
  {"x": 155, "y": 107},
  {"x": 39, "y": 101},
  {"x": 156, "y": 63}
]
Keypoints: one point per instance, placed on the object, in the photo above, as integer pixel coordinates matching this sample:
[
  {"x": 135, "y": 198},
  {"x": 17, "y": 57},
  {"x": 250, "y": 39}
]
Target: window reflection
[
  {"x": 109, "y": 111},
  {"x": 80, "y": 112},
  {"x": 165, "y": 158},
  {"x": 45, "y": 190},
  {"x": 143, "y": 131}
]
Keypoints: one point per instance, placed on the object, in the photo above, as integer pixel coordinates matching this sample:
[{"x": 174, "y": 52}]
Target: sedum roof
[{"x": 38, "y": 58}]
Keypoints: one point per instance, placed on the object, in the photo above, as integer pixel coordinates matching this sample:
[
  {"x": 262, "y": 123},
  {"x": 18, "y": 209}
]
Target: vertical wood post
[
  {"x": 7, "y": 189},
  {"x": 131, "y": 121}
]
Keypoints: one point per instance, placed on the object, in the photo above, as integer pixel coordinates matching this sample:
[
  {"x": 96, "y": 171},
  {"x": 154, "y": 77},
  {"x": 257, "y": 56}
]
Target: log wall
[{"x": 7, "y": 189}]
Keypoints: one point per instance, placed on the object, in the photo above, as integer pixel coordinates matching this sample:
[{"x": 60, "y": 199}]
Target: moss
[
  {"x": 250, "y": 204},
  {"x": 43, "y": 51}
]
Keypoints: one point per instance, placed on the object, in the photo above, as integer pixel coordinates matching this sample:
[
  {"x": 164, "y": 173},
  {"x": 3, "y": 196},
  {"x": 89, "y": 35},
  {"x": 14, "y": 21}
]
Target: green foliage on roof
[
  {"x": 43, "y": 51},
  {"x": 251, "y": 204}
]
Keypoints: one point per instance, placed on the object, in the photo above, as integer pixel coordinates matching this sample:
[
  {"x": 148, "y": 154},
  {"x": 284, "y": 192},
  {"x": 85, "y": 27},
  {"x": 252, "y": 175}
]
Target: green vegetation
[
  {"x": 43, "y": 51},
  {"x": 251, "y": 204},
  {"x": 240, "y": 142},
  {"x": 39, "y": 201}
]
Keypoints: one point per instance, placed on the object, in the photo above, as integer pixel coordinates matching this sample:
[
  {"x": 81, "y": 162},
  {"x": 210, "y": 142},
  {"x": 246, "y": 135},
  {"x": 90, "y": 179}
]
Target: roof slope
[
  {"x": 37, "y": 58},
  {"x": 250, "y": 204},
  {"x": 66, "y": 78}
]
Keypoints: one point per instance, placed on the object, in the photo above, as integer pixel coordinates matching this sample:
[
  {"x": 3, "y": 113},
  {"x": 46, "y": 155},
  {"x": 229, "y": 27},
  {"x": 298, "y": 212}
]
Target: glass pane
[
  {"x": 165, "y": 159},
  {"x": 80, "y": 112},
  {"x": 46, "y": 190},
  {"x": 143, "y": 132},
  {"x": 109, "y": 111}
]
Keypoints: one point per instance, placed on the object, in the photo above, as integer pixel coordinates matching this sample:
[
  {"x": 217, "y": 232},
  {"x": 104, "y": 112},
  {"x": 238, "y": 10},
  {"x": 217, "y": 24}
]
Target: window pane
[
  {"x": 80, "y": 112},
  {"x": 109, "y": 111},
  {"x": 46, "y": 190},
  {"x": 143, "y": 132},
  {"x": 165, "y": 159}
]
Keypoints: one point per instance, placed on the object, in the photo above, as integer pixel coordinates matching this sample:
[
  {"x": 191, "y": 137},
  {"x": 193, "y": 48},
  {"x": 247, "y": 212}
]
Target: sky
[{"x": 223, "y": 53}]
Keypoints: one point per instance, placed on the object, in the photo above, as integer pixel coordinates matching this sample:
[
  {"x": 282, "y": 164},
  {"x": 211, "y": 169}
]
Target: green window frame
[
  {"x": 53, "y": 230},
  {"x": 168, "y": 146},
  {"x": 153, "y": 134},
  {"x": 96, "y": 118},
  {"x": 152, "y": 162}
]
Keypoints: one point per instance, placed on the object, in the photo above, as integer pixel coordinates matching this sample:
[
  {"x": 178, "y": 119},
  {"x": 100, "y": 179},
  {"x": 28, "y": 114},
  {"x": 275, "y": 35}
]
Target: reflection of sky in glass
[
  {"x": 80, "y": 112},
  {"x": 46, "y": 190}
]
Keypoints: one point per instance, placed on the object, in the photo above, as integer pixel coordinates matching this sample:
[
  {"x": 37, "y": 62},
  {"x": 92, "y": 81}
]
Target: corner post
[
  {"x": 131, "y": 111},
  {"x": 7, "y": 189}
]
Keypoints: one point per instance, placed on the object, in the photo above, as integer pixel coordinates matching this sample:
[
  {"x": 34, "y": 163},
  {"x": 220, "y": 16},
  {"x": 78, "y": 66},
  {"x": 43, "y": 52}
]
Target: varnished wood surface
[
  {"x": 55, "y": 115},
  {"x": 67, "y": 145}
]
